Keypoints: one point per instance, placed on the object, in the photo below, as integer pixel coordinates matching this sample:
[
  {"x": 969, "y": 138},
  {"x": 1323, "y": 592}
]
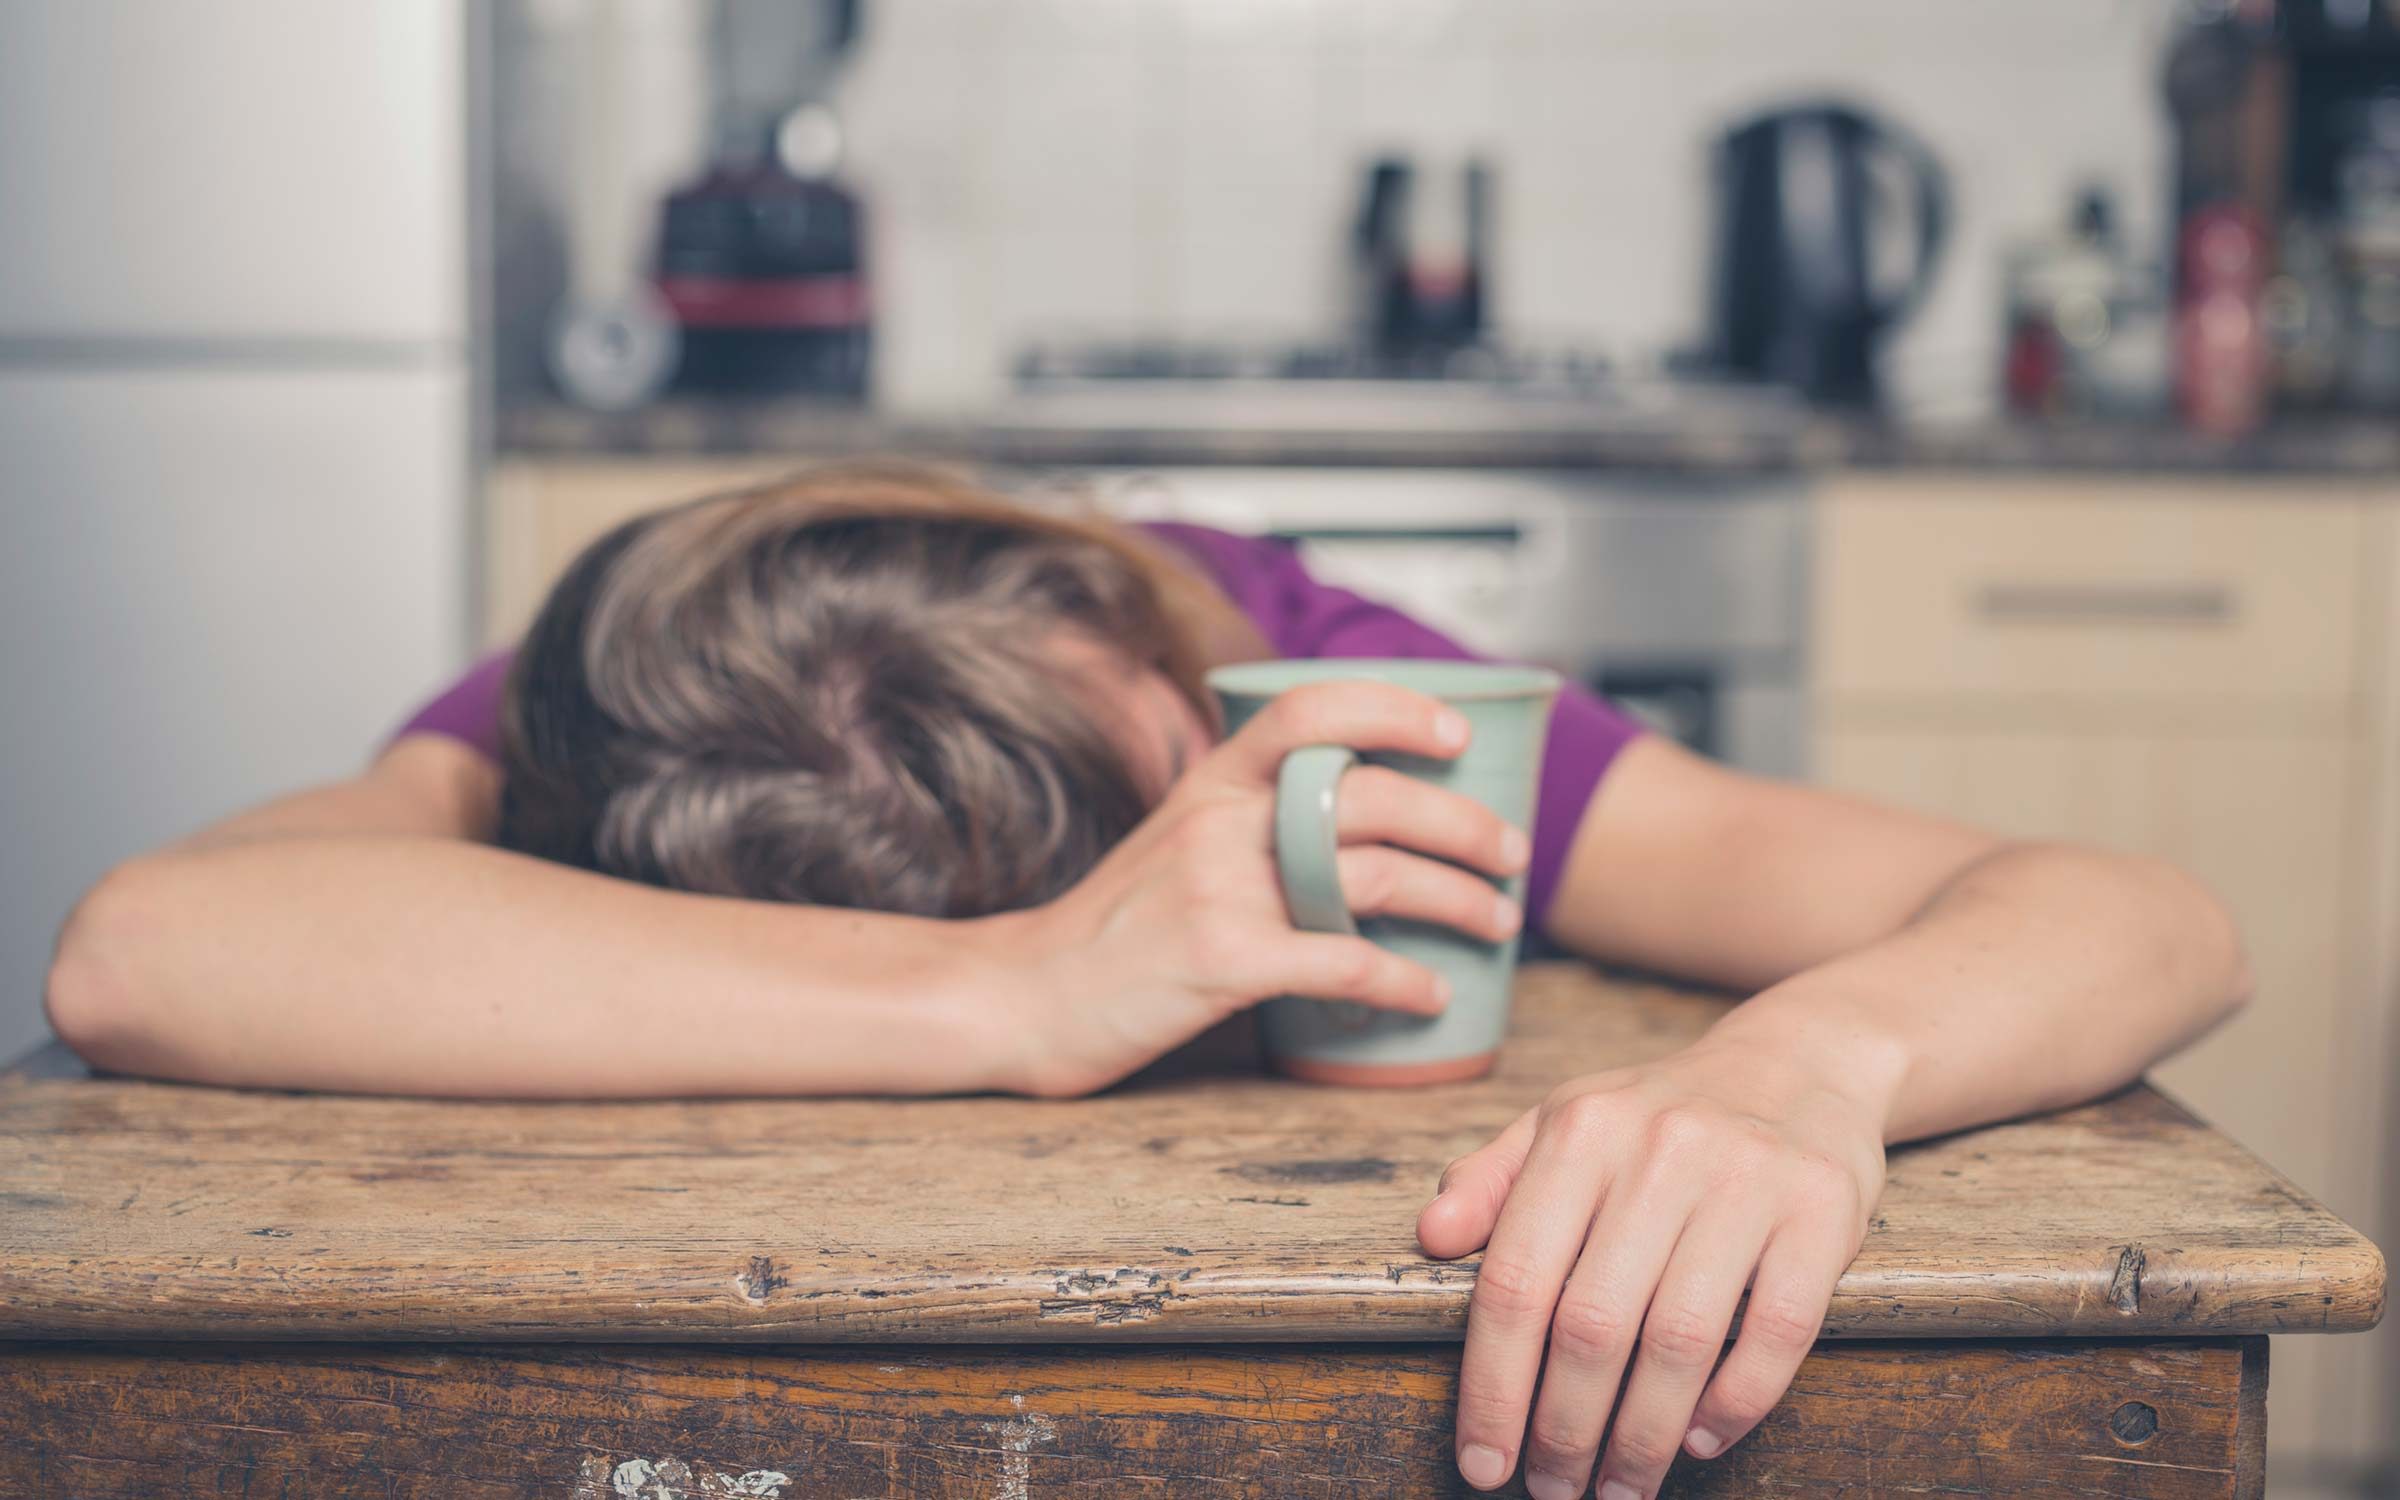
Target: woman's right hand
[{"x": 1183, "y": 924}]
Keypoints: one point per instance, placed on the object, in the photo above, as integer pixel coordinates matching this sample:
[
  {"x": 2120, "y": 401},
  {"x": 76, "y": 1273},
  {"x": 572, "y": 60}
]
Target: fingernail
[
  {"x": 1515, "y": 848},
  {"x": 1483, "y": 1467},
  {"x": 1543, "y": 1486},
  {"x": 1703, "y": 1443},
  {"x": 1441, "y": 990},
  {"x": 1618, "y": 1489},
  {"x": 1450, "y": 728},
  {"x": 1505, "y": 915}
]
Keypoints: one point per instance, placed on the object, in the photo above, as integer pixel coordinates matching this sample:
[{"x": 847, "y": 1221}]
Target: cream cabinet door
[
  {"x": 2140, "y": 597},
  {"x": 2265, "y": 819},
  {"x": 541, "y": 513}
]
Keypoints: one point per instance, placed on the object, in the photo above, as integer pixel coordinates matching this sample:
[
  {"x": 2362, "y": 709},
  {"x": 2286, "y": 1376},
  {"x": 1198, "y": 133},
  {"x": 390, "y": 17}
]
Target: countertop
[
  {"x": 1202, "y": 1202},
  {"x": 1438, "y": 429}
]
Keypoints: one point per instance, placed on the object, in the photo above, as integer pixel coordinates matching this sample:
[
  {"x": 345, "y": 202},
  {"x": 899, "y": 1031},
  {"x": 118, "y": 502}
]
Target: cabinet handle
[{"x": 2174, "y": 604}]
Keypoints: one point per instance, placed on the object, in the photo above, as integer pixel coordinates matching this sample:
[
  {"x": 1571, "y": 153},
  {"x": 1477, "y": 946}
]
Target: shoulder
[
  {"x": 454, "y": 786},
  {"x": 1224, "y": 587},
  {"x": 468, "y": 710},
  {"x": 1295, "y": 612},
  {"x": 1243, "y": 566},
  {"x": 1213, "y": 546}
]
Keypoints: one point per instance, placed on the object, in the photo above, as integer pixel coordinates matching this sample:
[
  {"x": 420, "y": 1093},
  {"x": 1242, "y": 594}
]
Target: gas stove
[
  {"x": 1167, "y": 384},
  {"x": 1578, "y": 374},
  {"x": 1679, "y": 592}
]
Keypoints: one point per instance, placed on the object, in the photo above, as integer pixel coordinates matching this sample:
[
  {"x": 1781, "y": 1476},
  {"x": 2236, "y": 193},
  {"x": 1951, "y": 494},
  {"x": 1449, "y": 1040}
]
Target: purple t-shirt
[{"x": 1300, "y": 617}]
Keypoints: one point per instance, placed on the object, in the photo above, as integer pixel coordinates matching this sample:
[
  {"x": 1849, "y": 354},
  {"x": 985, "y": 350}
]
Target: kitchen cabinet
[
  {"x": 2196, "y": 670},
  {"x": 539, "y": 514}
]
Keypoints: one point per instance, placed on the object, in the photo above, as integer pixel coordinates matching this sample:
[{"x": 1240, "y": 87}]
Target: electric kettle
[{"x": 1829, "y": 229}]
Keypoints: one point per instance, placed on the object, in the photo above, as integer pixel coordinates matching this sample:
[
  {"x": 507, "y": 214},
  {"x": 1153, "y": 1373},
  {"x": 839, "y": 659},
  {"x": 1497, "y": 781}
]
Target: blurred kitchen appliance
[
  {"x": 2087, "y": 323},
  {"x": 2287, "y": 117},
  {"x": 2228, "y": 92},
  {"x": 1191, "y": 366},
  {"x": 2366, "y": 235},
  {"x": 1682, "y": 597},
  {"x": 1678, "y": 595},
  {"x": 1422, "y": 251},
  {"x": 761, "y": 263},
  {"x": 1809, "y": 203},
  {"x": 611, "y": 344},
  {"x": 764, "y": 272},
  {"x": 2305, "y": 310},
  {"x": 2220, "y": 337}
]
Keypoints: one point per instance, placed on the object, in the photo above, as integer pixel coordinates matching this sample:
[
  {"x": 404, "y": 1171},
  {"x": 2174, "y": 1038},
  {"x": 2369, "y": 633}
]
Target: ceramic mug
[{"x": 1341, "y": 1041}]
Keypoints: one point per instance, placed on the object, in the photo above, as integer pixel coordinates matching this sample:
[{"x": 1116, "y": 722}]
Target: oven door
[
  {"x": 1680, "y": 598},
  {"x": 1479, "y": 557}
]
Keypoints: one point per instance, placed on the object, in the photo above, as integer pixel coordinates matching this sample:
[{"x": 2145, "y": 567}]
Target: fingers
[
  {"x": 1540, "y": 1233},
  {"x": 1362, "y": 715},
  {"x": 1330, "y": 966},
  {"x": 1378, "y": 805},
  {"x": 1682, "y": 1335},
  {"x": 1788, "y": 1298},
  {"x": 1594, "y": 1330},
  {"x": 1383, "y": 882},
  {"x": 1459, "y": 1220}
]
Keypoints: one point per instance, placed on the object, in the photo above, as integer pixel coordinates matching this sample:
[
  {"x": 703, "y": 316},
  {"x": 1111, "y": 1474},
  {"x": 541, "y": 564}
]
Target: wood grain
[
  {"x": 1193, "y": 1205},
  {"x": 651, "y": 1422}
]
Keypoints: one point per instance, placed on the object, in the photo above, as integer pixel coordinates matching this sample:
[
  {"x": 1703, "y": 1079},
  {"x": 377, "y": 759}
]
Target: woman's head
[{"x": 867, "y": 686}]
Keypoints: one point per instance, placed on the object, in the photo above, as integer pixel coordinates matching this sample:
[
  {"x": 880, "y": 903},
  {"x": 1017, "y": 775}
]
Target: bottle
[{"x": 2220, "y": 345}]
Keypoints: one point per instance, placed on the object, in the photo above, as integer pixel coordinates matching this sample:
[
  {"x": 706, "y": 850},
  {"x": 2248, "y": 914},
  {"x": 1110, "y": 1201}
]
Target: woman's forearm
[
  {"x": 438, "y": 966},
  {"x": 2037, "y": 976}
]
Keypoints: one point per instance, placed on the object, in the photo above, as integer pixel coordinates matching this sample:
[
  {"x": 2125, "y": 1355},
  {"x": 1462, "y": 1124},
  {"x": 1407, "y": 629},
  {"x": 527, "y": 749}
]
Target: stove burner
[{"x": 1532, "y": 372}]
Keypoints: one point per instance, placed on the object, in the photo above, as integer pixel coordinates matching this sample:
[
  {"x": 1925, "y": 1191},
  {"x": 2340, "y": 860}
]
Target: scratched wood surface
[
  {"x": 1205, "y": 1204},
  {"x": 2179, "y": 1418}
]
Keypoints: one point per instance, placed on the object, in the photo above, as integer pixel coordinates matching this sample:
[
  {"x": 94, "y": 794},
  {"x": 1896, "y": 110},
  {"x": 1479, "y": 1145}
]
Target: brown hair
[{"x": 841, "y": 688}]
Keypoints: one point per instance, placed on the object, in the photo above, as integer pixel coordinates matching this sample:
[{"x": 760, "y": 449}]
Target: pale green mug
[{"x": 1508, "y": 708}]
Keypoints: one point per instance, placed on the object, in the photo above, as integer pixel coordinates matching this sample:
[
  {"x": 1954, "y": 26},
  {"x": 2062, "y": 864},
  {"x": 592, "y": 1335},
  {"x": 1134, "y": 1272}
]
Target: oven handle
[
  {"x": 1535, "y": 542},
  {"x": 1510, "y": 533}
]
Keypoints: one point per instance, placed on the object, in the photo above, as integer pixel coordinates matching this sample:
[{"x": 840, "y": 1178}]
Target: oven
[{"x": 1681, "y": 597}]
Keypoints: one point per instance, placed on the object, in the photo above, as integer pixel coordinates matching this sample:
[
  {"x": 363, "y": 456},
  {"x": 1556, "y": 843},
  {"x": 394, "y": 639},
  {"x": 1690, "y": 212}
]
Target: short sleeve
[
  {"x": 1303, "y": 617},
  {"x": 469, "y": 709}
]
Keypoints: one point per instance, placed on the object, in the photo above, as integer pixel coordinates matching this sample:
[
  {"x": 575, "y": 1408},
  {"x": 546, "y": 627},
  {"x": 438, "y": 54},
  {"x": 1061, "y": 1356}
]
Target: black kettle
[{"x": 1809, "y": 200}]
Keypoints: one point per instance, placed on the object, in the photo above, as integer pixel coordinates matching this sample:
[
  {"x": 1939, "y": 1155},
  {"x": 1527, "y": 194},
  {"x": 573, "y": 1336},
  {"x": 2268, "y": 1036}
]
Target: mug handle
[{"x": 1307, "y": 844}]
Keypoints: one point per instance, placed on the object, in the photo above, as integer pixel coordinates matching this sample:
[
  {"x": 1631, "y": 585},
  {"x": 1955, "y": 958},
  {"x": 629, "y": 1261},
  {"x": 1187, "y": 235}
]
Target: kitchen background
[
  {"x": 1991, "y": 408},
  {"x": 1192, "y": 168}
]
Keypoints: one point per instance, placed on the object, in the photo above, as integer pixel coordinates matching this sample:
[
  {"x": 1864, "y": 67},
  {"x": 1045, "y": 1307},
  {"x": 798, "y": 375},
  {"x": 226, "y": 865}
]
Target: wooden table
[{"x": 1205, "y": 1282}]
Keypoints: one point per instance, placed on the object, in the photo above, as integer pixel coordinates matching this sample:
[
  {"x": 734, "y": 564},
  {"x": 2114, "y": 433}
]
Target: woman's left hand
[{"x": 1624, "y": 1217}]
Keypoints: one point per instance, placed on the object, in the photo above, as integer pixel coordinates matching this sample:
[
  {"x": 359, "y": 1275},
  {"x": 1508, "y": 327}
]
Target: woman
[{"x": 869, "y": 782}]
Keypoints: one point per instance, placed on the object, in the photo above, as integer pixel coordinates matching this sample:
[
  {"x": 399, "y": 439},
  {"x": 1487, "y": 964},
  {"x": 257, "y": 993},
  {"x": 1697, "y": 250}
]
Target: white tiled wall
[{"x": 1043, "y": 167}]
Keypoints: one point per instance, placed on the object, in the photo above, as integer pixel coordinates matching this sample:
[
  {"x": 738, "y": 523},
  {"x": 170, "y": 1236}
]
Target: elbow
[
  {"x": 2205, "y": 941},
  {"x": 90, "y": 995},
  {"x": 2241, "y": 981},
  {"x": 2226, "y": 975}
]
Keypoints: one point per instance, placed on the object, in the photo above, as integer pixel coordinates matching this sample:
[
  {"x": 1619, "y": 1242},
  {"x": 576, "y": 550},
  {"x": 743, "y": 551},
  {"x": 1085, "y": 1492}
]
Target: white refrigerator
[{"x": 235, "y": 430}]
